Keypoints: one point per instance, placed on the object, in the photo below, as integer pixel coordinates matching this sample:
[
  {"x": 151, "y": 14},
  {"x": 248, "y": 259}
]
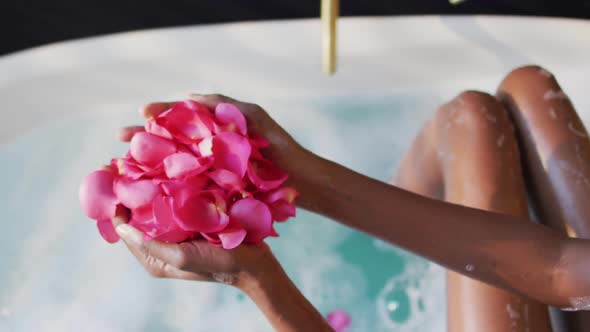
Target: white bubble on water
[{"x": 413, "y": 300}]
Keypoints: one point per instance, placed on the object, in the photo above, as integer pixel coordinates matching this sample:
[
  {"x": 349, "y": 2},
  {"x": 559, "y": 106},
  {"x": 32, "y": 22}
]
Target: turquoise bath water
[{"x": 56, "y": 274}]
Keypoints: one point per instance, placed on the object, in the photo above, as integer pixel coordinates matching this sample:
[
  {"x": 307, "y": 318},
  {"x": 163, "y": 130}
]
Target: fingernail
[
  {"x": 118, "y": 220},
  {"x": 129, "y": 234}
]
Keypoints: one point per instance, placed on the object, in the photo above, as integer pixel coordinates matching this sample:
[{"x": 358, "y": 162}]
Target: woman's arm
[
  {"x": 520, "y": 256},
  {"x": 279, "y": 299},
  {"x": 251, "y": 268}
]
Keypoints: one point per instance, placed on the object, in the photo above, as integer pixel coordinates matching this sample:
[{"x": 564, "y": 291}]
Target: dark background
[{"x": 29, "y": 23}]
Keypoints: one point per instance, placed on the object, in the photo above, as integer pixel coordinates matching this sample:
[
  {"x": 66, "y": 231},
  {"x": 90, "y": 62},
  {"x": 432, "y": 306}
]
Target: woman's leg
[
  {"x": 556, "y": 157},
  {"x": 469, "y": 151}
]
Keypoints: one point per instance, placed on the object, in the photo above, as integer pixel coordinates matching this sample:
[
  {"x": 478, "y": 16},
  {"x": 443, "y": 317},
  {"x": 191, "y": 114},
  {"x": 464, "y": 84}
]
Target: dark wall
[{"x": 30, "y": 23}]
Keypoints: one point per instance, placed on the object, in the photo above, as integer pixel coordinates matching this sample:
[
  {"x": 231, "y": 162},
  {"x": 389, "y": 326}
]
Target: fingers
[
  {"x": 152, "y": 110},
  {"x": 126, "y": 134},
  {"x": 153, "y": 254},
  {"x": 149, "y": 111},
  {"x": 158, "y": 259},
  {"x": 212, "y": 100}
]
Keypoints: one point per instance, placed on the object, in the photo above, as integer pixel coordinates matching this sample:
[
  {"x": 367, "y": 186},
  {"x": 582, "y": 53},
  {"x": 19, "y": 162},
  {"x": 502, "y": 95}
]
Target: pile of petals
[{"x": 193, "y": 173}]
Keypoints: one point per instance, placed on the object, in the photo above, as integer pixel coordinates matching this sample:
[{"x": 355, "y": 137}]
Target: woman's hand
[
  {"x": 195, "y": 260},
  {"x": 283, "y": 151},
  {"x": 251, "y": 268}
]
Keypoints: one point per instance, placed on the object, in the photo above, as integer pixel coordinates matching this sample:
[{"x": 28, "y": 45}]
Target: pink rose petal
[
  {"x": 265, "y": 175},
  {"x": 212, "y": 238},
  {"x": 282, "y": 210},
  {"x": 254, "y": 217},
  {"x": 200, "y": 214},
  {"x": 190, "y": 185},
  {"x": 127, "y": 168},
  {"x": 255, "y": 154},
  {"x": 258, "y": 141},
  {"x": 150, "y": 149},
  {"x": 107, "y": 230},
  {"x": 152, "y": 127},
  {"x": 286, "y": 194},
  {"x": 163, "y": 212},
  {"x": 142, "y": 215},
  {"x": 173, "y": 236},
  {"x": 339, "y": 320},
  {"x": 97, "y": 198},
  {"x": 183, "y": 164},
  {"x": 281, "y": 203},
  {"x": 157, "y": 223},
  {"x": 187, "y": 121},
  {"x": 135, "y": 194},
  {"x": 231, "y": 118},
  {"x": 232, "y": 238},
  {"x": 231, "y": 152},
  {"x": 227, "y": 180}
]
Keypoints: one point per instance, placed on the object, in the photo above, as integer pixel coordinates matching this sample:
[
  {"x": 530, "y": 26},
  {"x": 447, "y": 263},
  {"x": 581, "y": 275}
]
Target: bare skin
[
  {"x": 556, "y": 151},
  {"x": 505, "y": 249},
  {"x": 469, "y": 153}
]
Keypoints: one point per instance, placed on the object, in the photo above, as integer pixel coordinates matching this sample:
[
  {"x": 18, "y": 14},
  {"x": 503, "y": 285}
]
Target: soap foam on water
[{"x": 413, "y": 301}]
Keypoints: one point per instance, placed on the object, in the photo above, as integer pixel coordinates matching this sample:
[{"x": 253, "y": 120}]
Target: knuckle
[
  {"x": 154, "y": 271},
  {"x": 218, "y": 97},
  {"x": 182, "y": 261}
]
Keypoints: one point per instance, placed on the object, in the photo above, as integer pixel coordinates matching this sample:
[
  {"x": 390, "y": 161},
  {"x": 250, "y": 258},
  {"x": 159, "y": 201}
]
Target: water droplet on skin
[
  {"x": 579, "y": 303},
  {"x": 552, "y": 113},
  {"x": 491, "y": 118},
  {"x": 500, "y": 141},
  {"x": 577, "y": 132},
  {"x": 469, "y": 267},
  {"x": 554, "y": 94},
  {"x": 512, "y": 313}
]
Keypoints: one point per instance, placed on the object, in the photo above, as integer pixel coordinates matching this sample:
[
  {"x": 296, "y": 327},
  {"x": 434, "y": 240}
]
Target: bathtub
[{"x": 62, "y": 104}]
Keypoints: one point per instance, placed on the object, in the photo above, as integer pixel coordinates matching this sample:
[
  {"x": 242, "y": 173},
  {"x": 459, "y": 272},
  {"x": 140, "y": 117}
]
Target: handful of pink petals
[{"x": 194, "y": 172}]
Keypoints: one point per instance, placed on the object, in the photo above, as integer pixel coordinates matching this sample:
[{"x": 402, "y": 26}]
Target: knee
[
  {"x": 530, "y": 79},
  {"x": 475, "y": 110}
]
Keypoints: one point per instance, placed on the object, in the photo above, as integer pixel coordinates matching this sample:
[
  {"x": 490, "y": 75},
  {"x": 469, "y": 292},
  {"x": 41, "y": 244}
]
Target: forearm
[
  {"x": 280, "y": 300},
  {"x": 491, "y": 247}
]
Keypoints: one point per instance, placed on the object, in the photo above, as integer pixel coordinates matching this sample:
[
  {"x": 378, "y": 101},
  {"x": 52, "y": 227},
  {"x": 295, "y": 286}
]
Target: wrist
[
  {"x": 307, "y": 171},
  {"x": 258, "y": 272}
]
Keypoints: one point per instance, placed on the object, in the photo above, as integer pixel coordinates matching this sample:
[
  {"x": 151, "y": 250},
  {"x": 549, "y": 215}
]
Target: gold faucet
[{"x": 330, "y": 10}]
